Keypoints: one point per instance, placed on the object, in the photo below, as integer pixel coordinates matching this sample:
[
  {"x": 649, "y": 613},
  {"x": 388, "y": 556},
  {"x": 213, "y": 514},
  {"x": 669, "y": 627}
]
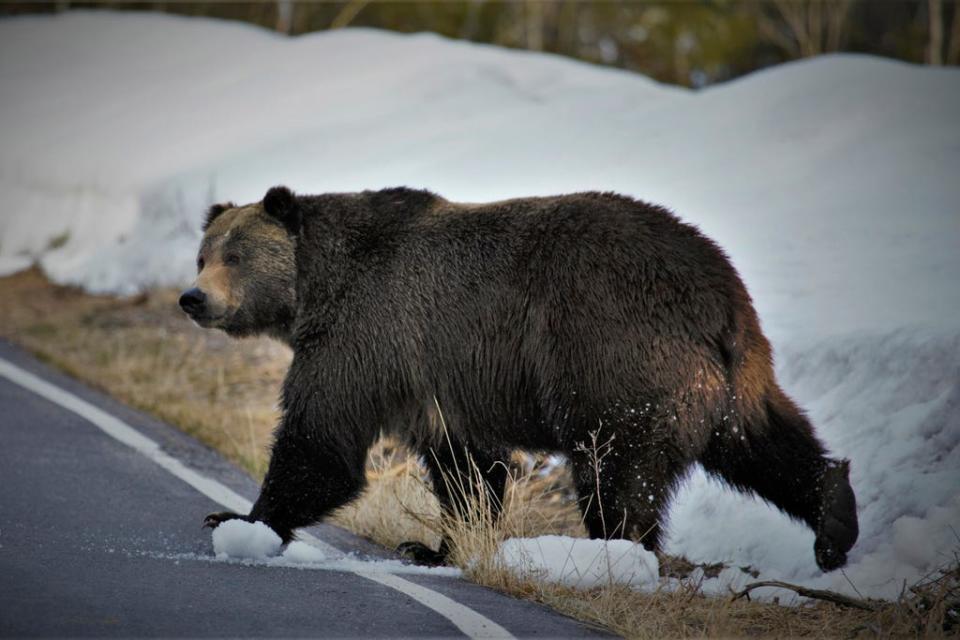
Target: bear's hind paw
[{"x": 421, "y": 554}]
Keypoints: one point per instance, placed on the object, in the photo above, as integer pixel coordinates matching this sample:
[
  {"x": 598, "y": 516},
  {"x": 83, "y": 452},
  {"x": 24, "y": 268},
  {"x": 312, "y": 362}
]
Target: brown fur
[
  {"x": 537, "y": 323},
  {"x": 264, "y": 272}
]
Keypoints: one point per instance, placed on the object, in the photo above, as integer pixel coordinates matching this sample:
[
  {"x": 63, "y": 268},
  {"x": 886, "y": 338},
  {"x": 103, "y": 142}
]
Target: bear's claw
[{"x": 214, "y": 520}]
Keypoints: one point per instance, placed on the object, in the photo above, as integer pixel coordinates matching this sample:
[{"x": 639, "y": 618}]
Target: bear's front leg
[
  {"x": 316, "y": 463},
  {"x": 308, "y": 477}
]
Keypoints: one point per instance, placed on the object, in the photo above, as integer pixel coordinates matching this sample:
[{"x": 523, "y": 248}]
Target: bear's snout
[{"x": 193, "y": 301}]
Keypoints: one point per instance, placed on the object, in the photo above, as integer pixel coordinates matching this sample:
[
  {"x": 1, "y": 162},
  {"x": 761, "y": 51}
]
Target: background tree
[
  {"x": 805, "y": 28},
  {"x": 687, "y": 42}
]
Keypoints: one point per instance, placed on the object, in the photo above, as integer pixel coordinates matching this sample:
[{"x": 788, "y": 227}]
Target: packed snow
[
  {"x": 245, "y": 540},
  {"x": 587, "y": 564},
  {"x": 254, "y": 543},
  {"x": 581, "y": 563},
  {"x": 831, "y": 182}
]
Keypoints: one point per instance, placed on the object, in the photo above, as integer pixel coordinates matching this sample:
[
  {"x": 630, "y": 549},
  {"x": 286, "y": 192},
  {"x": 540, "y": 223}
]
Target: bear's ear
[
  {"x": 281, "y": 203},
  {"x": 214, "y": 212}
]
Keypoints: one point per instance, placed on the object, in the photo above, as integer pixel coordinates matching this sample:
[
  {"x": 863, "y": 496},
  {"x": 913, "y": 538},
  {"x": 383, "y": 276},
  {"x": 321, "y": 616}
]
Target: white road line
[{"x": 464, "y": 618}]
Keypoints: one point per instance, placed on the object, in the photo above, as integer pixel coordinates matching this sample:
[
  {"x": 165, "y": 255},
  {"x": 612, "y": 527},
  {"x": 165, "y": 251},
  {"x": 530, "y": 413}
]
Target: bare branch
[{"x": 817, "y": 594}]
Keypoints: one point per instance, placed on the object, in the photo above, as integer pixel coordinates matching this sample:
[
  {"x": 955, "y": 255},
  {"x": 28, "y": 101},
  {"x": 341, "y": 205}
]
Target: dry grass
[
  {"x": 221, "y": 391},
  {"x": 143, "y": 352}
]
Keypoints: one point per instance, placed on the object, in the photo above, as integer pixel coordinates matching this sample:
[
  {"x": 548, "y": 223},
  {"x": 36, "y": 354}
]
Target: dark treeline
[{"x": 688, "y": 42}]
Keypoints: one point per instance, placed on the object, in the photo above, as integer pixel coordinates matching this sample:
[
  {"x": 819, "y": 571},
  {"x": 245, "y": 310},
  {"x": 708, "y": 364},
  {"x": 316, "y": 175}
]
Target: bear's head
[{"x": 246, "y": 268}]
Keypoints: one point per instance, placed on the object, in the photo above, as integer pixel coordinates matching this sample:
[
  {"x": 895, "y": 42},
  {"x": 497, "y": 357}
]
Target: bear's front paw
[
  {"x": 419, "y": 553},
  {"x": 216, "y": 519}
]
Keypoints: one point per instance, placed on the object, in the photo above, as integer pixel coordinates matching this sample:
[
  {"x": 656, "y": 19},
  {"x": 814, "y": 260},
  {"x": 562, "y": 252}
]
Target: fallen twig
[{"x": 817, "y": 594}]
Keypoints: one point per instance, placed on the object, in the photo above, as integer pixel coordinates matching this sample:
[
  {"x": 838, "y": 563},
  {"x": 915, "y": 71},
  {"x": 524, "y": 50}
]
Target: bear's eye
[
  {"x": 200, "y": 264},
  {"x": 232, "y": 259}
]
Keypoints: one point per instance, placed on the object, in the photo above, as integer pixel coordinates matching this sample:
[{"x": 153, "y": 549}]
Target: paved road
[{"x": 97, "y": 539}]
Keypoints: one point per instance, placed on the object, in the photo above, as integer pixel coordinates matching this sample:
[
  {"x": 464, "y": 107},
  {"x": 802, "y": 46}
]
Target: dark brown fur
[{"x": 536, "y": 323}]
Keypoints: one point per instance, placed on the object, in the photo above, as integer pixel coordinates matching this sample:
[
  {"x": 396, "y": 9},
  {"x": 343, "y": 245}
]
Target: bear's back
[{"x": 601, "y": 247}]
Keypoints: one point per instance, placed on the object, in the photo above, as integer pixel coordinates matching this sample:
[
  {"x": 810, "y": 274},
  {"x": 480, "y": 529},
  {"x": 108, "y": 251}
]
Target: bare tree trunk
[
  {"x": 510, "y": 26},
  {"x": 815, "y": 27},
  {"x": 837, "y": 23},
  {"x": 551, "y": 25},
  {"x": 806, "y": 27},
  {"x": 935, "y": 46},
  {"x": 534, "y": 23},
  {"x": 795, "y": 16},
  {"x": 348, "y": 13},
  {"x": 803, "y": 31},
  {"x": 567, "y": 40},
  {"x": 471, "y": 21},
  {"x": 773, "y": 31},
  {"x": 953, "y": 51},
  {"x": 284, "y": 16}
]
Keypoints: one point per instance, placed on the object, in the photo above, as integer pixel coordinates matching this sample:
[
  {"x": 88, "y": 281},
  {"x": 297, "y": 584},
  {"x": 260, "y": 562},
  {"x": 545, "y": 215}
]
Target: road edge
[{"x": 470, "y": 622}]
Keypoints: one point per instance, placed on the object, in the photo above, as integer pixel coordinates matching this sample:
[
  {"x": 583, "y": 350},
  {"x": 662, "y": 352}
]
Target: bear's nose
[{"x": 192, "y": 301}]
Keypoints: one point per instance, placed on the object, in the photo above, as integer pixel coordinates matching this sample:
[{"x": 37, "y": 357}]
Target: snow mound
[
  {"x": 302, "y": 553},
  {"x": 245, "y": 540},
  {"x": 581, "y": 563}
]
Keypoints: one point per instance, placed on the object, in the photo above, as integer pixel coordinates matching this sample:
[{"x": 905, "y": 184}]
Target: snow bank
[
  {"x": 581, "y": 563},
  {"x": 830, "y": 182}
]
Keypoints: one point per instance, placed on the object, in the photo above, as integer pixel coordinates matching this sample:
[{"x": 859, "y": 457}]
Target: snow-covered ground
[{"x": 833, "y": 183}]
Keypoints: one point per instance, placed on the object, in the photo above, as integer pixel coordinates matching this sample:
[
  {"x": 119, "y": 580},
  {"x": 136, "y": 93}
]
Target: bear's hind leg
[
  {"x": 625, "y": 487},
  {"x": 782, "y": 461},
  {"x": 456, "y": 472}
]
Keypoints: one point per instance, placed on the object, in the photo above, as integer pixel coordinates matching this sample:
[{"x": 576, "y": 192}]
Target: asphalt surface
[{"x": 98, "y": 540}]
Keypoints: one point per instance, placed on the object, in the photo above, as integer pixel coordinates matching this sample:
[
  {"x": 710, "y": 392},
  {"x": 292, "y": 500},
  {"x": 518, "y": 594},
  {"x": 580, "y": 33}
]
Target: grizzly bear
[{"x": 543, "y": 324}]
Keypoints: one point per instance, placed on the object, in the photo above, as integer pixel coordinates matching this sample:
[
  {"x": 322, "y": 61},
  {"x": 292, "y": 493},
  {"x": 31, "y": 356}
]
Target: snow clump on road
[{"x": 245, "y": 540}]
